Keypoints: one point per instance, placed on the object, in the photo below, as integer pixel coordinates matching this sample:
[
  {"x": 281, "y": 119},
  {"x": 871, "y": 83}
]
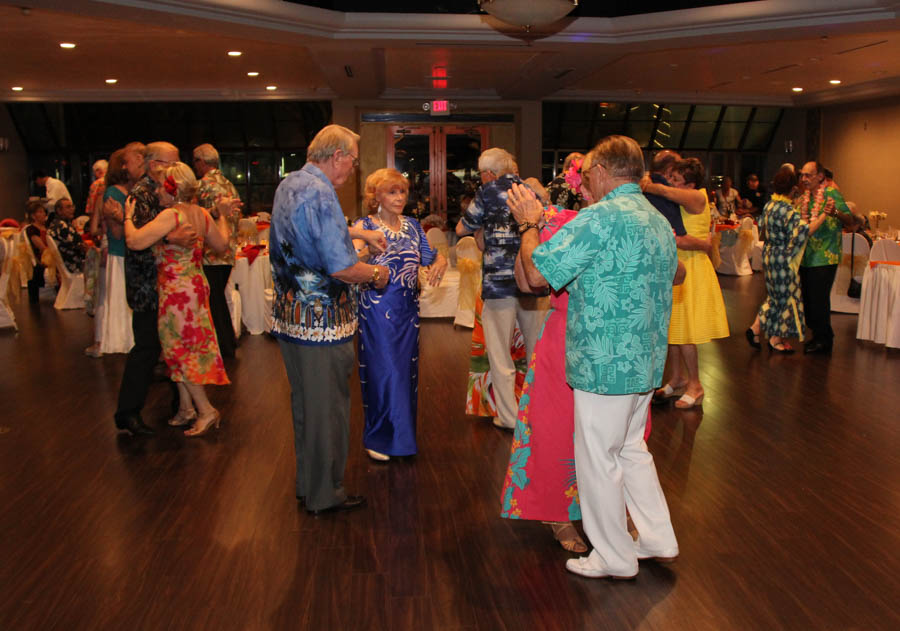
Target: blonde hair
[
  {"x": 184, "y": 179},
  {"x": 330, "y": 138},
  {"x": 380, "y": 181}
]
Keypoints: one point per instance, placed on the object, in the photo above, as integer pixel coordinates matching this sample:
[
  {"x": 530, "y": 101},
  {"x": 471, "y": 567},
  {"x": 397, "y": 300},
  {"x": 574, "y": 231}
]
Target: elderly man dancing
[{"x": 617, "y": 259}]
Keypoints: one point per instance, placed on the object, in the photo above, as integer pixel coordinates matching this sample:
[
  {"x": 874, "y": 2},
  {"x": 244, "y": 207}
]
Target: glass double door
[{"x": 441, "y": 163}]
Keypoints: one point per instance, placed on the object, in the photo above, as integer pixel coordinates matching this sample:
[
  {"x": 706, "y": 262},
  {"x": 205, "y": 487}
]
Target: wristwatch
[
  {"x": 376, "y": 274},
  {"x": 525, "y": 227}
]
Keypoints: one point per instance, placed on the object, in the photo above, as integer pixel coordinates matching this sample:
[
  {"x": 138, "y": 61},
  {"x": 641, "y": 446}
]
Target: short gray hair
[
  {"x": 100, "y": 164},
  {"x": 330, "y": 138},
  {"x": 498, "y": 161},
  {"x": 207, "y": 154},
  {"x": 621, "y": 156}
]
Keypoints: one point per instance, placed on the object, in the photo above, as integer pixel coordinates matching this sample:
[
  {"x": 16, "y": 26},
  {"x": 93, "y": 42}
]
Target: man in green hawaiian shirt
[
  {"x": 617, "y": 260},
  {"x": 823, "y": 253}
]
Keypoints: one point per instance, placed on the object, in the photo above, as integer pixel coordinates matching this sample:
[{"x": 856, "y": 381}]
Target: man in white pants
[
  {"x": 618, "y": 262},
  {"x": 504, "y": 304}
]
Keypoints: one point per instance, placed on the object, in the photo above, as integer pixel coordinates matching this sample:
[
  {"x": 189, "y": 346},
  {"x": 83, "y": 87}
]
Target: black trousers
[
  {"x": 217, "y": 277},
  {"x": 35, "y": 284},
  {"x": 815, "y": 286},
  {"x": 142, "y": 358}
]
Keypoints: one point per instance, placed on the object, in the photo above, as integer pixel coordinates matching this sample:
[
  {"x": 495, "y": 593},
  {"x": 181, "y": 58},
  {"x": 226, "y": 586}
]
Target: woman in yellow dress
[{"x": 698, "y": 311}]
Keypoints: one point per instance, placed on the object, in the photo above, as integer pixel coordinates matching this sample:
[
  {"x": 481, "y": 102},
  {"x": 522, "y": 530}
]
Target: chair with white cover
[
  {"x": 440, "y": 301},
  {"x": 24, "y": 254},
  {"x": 263, "y": 216},
  {"x": 840, "y": 301},
  {"x": 885, "y": 250},
  {"x": 7, "y": 319},
  {"x": 437, "y": 239},
  {"x": 233, "y": 299},
  {"x": 468, "y": 262},
  {"x": 80, "y": 222},
  {"x": 71, "y": 291},
  {"x": 734, "y": 249}
]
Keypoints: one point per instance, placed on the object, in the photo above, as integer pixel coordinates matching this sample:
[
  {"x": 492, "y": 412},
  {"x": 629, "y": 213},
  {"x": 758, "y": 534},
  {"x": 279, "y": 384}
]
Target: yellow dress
[{"x": 698, "y": 311}]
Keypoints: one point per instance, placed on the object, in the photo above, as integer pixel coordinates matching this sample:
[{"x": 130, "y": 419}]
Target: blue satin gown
[{"x": 389, "y": 341}]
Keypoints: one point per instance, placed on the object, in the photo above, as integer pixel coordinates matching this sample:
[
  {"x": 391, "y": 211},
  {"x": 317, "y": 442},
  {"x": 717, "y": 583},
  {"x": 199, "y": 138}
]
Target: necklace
[
  {"x": 381, "y": 218},
  {"x": 819, "y": 204}
]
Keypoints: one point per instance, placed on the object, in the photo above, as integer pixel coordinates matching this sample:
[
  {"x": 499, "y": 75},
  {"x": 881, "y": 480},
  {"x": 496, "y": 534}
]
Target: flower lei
[
  {"x": 572, "y": 176},
  {"x": 170, "y": 186},
  {"x": 819, "y": 204}
]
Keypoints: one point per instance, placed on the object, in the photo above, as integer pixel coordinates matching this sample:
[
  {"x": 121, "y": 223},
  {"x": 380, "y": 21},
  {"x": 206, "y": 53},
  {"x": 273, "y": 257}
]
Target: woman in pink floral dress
[{"x": 186, "y": 333}]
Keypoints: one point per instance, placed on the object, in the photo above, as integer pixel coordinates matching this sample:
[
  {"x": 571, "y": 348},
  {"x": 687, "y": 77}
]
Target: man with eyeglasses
[
  {"x": 314, "y": 269},
  {"x": 822, "y": 254}
]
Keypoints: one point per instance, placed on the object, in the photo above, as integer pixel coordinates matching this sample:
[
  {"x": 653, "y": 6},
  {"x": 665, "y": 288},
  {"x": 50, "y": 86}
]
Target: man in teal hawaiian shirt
[
  {"x": 822, "y": 254},
  {"x": 617, "y": 259}
]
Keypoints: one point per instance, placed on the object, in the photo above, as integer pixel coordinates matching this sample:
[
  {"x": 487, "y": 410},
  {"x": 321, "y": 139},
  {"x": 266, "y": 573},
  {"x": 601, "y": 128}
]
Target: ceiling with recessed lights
[{"x": 738, "y": 52}]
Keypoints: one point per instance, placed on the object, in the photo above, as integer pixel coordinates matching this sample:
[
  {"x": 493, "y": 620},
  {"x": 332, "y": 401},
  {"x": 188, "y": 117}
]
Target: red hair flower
[{"x": 170, "y": 186}]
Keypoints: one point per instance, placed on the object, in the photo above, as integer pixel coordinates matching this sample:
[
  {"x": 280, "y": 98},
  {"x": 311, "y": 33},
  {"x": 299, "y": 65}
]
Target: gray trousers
[{"x": 320, "y": 402}]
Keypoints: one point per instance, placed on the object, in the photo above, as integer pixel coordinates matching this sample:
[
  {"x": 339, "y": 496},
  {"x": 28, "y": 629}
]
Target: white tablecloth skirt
[
  {"x": 252, "y": 282},
  {"x": 879, "y": 306},
  {"x": 440, "y": 301}
]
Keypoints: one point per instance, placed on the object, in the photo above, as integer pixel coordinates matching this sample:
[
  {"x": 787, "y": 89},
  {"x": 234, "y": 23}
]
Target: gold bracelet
[{"x": 376, "y": 274}]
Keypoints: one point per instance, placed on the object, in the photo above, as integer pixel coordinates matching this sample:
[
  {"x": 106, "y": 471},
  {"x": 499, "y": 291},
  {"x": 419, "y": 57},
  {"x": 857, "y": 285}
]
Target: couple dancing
[{"x": 168, "y": 291}]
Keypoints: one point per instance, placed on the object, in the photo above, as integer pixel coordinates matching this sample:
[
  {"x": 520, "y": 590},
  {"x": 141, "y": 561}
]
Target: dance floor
[{"x": 783, "y": 491}]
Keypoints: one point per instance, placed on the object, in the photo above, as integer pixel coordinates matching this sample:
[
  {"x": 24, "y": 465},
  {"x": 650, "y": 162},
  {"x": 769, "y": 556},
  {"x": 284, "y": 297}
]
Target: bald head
[{"x": 663, "y": 161}]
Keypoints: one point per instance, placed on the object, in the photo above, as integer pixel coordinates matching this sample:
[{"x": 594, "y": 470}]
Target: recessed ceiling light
[
  {"x": 112, "y": 81},
  {"x": 271, "y": 87},
  {"x": 797, "y": 89},
  {"x": 252, "y": 74},
  {"x": 234, "y": 53},
  {"x": 17, "y": 88},
  {"x": 835, "y": 82},
  {"x": 67, "y": 45}
]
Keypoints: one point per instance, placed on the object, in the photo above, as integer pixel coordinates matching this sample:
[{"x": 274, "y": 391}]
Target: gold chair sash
[
  {"x": 469, "y": 283},
  {"x": 50, "y": 259},
  {"x": 745, "y": 243},
  {"x": 23, "y": 260}
]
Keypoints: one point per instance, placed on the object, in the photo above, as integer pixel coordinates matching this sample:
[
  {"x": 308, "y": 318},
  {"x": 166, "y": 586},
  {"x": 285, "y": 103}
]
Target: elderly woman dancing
[
  {"x": 186, "y": 333},
  {"x": 389, "y": 319}
]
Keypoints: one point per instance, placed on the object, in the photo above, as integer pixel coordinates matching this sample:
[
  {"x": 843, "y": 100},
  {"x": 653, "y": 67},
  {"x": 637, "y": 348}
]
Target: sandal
[
  {"x": 668, "y": 392},
  {"x": 183, "y": 417},
  {"x": 781, "y": 347},
  {"x": 687, "y": 401},
  {"x": 752, "y": 338},
  {"x": 568, "y": 537}
]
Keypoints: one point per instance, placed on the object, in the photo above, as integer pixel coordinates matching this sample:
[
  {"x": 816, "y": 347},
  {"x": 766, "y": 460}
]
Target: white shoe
[
  {"x": 498, "y": 423},
  {"x": 662, "y": 556},
  {"x": 583, "y": 567},
  {"x": 376, "y": 455}
]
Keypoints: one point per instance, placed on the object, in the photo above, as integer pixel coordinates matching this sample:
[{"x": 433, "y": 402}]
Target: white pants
[
  {"x": 498, "y": 319},
  {"x": 615, "y": 470}
]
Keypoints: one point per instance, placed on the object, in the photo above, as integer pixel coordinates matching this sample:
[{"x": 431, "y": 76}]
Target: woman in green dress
[{"x": 781, "y": 315}]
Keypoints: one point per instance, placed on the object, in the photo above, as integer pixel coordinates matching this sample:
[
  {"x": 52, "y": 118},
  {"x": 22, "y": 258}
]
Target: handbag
[{"x": 855, "y": 288}]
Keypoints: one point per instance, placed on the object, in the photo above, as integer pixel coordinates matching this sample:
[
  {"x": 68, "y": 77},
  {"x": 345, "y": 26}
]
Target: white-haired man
[
  {"x": 618, "y": 261},
  {"x": 314, "y": 267},
  {"x": 215, "y": 187},
  {"x": 504, "y": 304}
]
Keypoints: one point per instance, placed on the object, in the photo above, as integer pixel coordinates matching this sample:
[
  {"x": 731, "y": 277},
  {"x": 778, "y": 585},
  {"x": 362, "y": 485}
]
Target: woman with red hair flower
[{"x": 186, "y": 333}]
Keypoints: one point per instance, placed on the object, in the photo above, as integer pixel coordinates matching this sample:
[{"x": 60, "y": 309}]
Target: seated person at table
[
  {"x": 68, "y": 241},
  {"x": 36, "y": 232}
]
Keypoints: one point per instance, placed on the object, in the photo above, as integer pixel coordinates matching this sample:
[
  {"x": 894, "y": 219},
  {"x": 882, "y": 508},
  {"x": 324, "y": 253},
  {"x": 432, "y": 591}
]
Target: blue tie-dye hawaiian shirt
[
  {"x": 617, "y": 260},
  {"x": 501, "y": 237},
  {"x": 309, "y": 241}
]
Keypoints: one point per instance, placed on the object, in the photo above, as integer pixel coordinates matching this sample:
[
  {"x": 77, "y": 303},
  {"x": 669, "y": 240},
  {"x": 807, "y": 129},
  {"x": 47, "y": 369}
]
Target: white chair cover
[
  {"x": 22, "y": 249},
  {"x": 263, "y": 216},
  {"x": 71, "y": 291},
  {"x": 840, "y": 301},
  {"x": 252, "y": 282},
  {"x": 80, "y": 222},
  {"x": 7, "y": 319},
  {"x": 468, "y": 262},
  {"x": 233, "y": 298},
  {"x": 885, "y": 250},
  {"x": 879, "y": 308},
  {"x": 735, "y": 259},
  {"x": 438, "y": 241}
]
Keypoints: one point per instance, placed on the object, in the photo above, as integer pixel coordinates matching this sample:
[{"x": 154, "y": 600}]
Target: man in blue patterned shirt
[
  {"x": 314, "y": 268},
  {"x": 618, "y": 262},
  {"x": 504, "y": 304}
]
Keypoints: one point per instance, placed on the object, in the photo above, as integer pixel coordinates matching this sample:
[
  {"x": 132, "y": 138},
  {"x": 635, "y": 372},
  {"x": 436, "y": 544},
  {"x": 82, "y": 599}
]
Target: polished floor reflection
[{"x": 783, "y": 491}]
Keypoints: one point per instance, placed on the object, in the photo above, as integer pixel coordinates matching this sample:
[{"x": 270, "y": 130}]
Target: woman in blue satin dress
[{"x": 389, "y": 319}]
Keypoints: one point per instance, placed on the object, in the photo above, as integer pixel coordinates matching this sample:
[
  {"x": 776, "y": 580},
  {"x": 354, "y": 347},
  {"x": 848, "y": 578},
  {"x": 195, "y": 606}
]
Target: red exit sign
[{"x": 440, "y": 108}]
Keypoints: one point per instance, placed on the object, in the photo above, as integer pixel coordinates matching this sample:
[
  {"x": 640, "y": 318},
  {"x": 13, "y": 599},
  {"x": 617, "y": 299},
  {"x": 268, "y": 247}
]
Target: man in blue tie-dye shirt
[{"x": 504, "y": 305}]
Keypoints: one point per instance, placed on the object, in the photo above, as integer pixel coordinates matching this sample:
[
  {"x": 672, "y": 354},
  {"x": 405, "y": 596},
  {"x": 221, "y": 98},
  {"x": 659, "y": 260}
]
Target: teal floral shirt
[
  {"x": 617, "y": 260},
  {"x": 824, "y": 246}
]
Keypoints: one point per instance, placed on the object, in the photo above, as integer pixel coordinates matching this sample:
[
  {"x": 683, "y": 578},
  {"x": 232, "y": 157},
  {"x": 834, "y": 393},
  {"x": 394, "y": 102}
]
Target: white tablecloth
[
  {"x": 440, "y": 301},
  {"x": 253, "y": 283},
  {"x": 879, "y": 306}
]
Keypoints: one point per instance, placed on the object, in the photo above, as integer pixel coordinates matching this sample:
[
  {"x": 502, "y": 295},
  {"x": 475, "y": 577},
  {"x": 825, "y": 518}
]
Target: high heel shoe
[
  {"x": 667, "y": 392},
  {"x": 687, "y": 401},
  {"x": 784, "y": 350},
  {"x": 753, "y": 338},
  {"x": 204, "y": 423},
  {"x": 183, "y": 417}
]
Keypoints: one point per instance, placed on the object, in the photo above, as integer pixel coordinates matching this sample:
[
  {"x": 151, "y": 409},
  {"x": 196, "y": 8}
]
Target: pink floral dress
[{"x": 189, "y": 345}]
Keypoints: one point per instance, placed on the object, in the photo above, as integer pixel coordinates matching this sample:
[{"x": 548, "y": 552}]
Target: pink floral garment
[{"x": 188, "y": 339}]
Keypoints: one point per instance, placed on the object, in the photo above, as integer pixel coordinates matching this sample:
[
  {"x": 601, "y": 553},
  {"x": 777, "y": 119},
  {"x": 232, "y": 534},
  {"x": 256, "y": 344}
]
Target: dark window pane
[
  {"x": 675, "y": 112},
  {"x": 291, "y": 134},
  {"x": 640, "y": 131},
  {"x": 229, "y": 133},
  {"x": 293, "y": 161},
  {"x": 699, "y": 135},
  {"x": 611, "y": 111},
  {"x": 729, "y": 135},
  {"x": 261, "y": 198},
  {"x": 575, "y": 134},
  {"x": 707, "y": 113},
  {"x": 264, "y": 168},
  {"x": 759, "y": 136},
  {"x": 767, "y": 114},
  {"x": 668, "y": 135},
  {"x": 736, "y": 114},
  {"x": 234, "y": 167},
  {"x": 642, "y": 112}
]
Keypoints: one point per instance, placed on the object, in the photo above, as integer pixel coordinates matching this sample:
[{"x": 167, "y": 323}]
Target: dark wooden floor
[{"x": 783, "y": 491}]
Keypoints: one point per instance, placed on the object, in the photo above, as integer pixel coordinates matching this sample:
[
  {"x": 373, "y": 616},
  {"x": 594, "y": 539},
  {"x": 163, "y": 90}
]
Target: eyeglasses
[
  {"x": 354, "y": 158},
  {"x": 582, "y": 172}
]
